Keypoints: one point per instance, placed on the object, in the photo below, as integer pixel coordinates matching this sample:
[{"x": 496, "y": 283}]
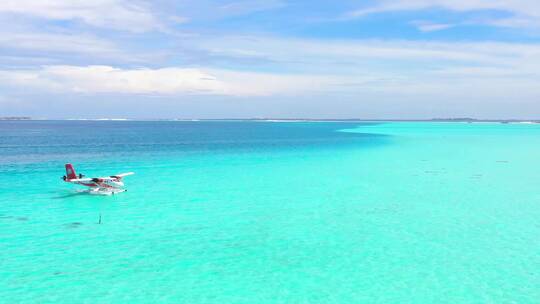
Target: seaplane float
[{"x": 96, "y": 185}]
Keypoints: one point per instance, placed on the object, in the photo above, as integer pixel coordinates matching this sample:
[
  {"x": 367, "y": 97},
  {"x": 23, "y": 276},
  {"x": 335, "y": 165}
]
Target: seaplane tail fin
[{"x": 70, "y": 172}]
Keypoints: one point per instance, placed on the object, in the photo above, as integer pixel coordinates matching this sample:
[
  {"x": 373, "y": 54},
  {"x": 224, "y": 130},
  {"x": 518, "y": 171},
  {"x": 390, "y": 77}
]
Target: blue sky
[{"x": 274, "y": 58}]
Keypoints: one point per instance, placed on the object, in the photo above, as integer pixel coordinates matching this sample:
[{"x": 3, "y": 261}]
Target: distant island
[
  {"x": 459, "y": 119},
  {"x": 16, "y": 118},
  {"x": 265, "y": 119}
]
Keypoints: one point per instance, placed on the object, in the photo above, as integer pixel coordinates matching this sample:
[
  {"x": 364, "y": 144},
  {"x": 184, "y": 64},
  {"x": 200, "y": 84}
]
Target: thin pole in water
[{"x": 99, "y": 219}]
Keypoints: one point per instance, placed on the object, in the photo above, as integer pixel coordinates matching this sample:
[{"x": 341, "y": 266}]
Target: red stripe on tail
[{"x": 70, "y": 171}]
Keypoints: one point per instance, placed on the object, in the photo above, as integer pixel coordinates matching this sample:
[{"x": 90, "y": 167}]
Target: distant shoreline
[
  {"x": 16, "y": 118},
  {"x": 462, "y": 120}
]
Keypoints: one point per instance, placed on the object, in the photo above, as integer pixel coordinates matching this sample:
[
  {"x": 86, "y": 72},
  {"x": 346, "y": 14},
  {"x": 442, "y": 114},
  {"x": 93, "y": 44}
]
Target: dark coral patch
[{"x": 74, "y": 225}]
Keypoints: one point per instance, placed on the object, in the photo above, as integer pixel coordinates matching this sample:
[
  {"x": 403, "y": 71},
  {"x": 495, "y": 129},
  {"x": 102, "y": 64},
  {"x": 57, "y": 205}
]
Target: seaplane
[{"x": 96, "y": 185}]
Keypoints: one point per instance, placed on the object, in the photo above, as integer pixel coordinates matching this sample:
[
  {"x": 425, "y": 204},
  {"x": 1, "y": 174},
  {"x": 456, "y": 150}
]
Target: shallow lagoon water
[{"x": 271, "y": 212}]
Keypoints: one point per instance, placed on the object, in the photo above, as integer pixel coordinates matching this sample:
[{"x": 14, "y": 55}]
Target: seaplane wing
[{"x": 122, "y": 174}]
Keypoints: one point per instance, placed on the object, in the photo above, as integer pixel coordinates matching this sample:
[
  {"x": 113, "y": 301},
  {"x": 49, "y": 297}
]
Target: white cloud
[
  {"x": 116, "y": 14},
  {"x": 56, "y": 42},
  {"x": 351, "y": 68},
  {"x": 245, "y": 7},
  {"x": 523, "y": 7},
  {"x": 425, "y": 26},
  {"x": 26, "y": 48},
  {"x": 310, "y": 67},
  {"x": 337, "y": 55},
  {"x": 178, "y": 19},
  {"x": 164, "y": 81},
  {"x": 525, "y": 13},
  {"x": 397, "y": 68}
]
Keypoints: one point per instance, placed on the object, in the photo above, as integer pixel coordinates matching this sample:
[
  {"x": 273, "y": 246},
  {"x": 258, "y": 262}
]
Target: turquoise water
[{"x": 252, "y": 212}]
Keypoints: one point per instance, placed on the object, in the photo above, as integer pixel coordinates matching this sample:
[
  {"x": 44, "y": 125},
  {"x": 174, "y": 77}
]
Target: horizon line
[{"x": 275, "y": 119}]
